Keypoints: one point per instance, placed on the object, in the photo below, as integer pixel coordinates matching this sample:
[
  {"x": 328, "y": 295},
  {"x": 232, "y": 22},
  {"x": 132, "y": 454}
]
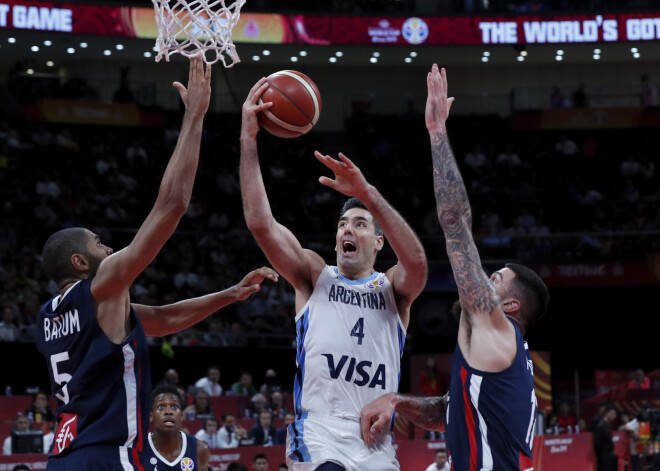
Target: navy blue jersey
[
  {"x": 491, "y": 416},
  {"x": 102, "y": 388},
  {"x": 186, "y": 461}
]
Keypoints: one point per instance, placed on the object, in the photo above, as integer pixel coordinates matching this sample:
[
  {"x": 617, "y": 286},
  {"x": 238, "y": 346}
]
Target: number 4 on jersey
[{"x": 358, "y": 330}]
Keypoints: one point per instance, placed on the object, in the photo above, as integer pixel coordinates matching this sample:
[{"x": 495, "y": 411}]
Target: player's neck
[
  {"x": 167, "y": 443},
  {"x": 355, "y": 274}
]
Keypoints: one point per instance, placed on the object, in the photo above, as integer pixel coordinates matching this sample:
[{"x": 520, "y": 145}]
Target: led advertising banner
[{"x": 344, "y": 30}]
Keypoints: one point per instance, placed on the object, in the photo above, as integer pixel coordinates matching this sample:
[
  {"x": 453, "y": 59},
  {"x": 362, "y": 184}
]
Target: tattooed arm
[
  {"x": 426, "y": 412},
  {"x": 475, "y": 291}
]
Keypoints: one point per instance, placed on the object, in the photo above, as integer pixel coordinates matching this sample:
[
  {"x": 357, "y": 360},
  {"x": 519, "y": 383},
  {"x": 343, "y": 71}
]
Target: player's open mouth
[
  {"x": 169, "y": 423},
  {"x": 348, "y": 246}
]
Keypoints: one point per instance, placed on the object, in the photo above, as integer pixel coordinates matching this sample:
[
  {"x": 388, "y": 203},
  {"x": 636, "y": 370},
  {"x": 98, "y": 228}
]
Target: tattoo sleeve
[
  {"x": 455, "y": 216},
  {"x": 426, "y": 412}
]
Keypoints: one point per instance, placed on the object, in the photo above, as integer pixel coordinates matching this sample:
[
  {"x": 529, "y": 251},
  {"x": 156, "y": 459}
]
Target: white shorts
[{"x": 316, "y": 439}]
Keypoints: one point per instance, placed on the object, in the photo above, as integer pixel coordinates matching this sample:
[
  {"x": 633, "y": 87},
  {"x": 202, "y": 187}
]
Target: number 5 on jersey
[{"x": 358, "y": 330}]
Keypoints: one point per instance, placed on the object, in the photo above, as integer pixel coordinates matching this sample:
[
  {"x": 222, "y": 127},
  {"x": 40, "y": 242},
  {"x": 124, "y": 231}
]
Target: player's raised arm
[
  {"x": 280, "y": 246},
  {"x": 408, "y": 277},
  {"x": 476, "y": 293},
  {"x": 118, "y": 271},
  {"x": 163, "y": 320}
]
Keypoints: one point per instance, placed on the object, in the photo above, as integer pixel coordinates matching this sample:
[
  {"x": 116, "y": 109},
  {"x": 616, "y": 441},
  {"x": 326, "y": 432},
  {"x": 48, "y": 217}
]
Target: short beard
[{"x": 94, "y": 264}]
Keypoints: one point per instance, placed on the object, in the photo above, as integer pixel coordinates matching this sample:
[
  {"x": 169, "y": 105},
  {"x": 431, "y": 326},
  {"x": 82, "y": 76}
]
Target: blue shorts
[{"x": 97, "y": 458}]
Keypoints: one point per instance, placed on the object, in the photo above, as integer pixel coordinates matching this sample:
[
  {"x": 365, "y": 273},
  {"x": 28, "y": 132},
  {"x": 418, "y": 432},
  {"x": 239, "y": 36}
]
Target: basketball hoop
[{"x": 191, "y": 27}]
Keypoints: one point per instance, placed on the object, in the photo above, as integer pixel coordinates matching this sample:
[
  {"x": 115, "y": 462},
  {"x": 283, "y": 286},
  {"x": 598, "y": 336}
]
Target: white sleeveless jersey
[{"x": 350, "y": 340}]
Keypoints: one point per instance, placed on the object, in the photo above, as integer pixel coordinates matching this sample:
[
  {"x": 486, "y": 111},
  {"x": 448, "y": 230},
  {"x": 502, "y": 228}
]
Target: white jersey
[{"x": 350, "y": 341}]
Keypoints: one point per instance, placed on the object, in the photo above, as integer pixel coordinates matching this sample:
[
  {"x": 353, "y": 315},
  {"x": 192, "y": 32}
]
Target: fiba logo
[
  {"x": 187, "y": 464},
  {"x": 415, "y": 30}
]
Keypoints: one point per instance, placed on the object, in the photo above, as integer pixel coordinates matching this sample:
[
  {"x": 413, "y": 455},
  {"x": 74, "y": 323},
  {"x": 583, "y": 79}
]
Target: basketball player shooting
[
  {"x": 491, "y": 408},
  {"x": 94, "y": 338},
  {"x": 168, "y": 448},
  {"x": 351, "y": 319}
]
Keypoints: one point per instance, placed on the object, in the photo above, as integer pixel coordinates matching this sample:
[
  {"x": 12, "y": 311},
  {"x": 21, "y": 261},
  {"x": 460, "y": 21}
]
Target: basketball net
[{"x": 197, "y": 26}]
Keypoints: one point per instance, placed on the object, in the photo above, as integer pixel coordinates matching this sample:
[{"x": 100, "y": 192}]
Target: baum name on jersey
[
  {"x": 62, "y": 325},
  {"x": 340, "y": 294},
  {"x": 362, "y": 373}
]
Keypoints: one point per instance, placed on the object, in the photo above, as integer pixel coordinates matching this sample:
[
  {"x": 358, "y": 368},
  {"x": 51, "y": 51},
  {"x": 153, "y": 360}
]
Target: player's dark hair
[
  {"x": 532, "y": 290},
  {"x": 166, "y": 389},
  {"x": 58, "y": 249},
  {"x": 356, "y": 203}
]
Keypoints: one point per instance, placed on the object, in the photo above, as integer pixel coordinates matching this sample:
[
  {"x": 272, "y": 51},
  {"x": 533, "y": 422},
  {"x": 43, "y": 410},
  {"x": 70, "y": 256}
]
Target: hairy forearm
[
  {"x": 256, "y": 207},
  {"x": 403, "y": 240},
  {"x": 426, "y": 412},
  {"x": 179, "y": 176},
  {"x": 172, "y": 318},
  {"x": 450, "y": 194}
]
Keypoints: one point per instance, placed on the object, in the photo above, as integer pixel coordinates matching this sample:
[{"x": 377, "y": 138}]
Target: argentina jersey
[
  {"x": 491, "y": 417},
  {"x": 152, "y": 460},
  {"x": 101, "y": 388},
  {"x": 349, "y": 344}
]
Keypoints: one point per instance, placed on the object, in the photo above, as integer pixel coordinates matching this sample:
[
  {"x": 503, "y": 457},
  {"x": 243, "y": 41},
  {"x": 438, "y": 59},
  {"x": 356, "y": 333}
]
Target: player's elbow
[{"x": 258, "y": 223}]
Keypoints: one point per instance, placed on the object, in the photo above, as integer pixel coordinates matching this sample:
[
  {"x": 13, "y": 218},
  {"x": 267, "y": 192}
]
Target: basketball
[{"x": 296, "y": 104}]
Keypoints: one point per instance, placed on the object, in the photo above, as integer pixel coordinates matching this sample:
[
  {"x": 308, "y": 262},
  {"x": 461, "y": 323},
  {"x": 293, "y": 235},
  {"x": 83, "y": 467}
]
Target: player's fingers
[
  {"x": 208, "y": 73},
  {"x": 260, "y": 83},
  {"x": 450, "y": 101},
  {"x": 328, "y": 182},
  {"x": 349, "y": 163},
  {"x": 377, "y": 426},
  {"x": 366, "y": 434},
  {"x": 179, "y": 86},
  {"x": 262, "y": 106}
]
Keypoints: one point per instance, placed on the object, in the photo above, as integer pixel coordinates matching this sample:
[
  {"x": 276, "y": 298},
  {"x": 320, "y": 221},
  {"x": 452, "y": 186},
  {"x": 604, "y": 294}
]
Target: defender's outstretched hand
[
  {"x": 251, "y": 107},
  {"x": 348, "y": 177},
  {"x": 198, "y": 94},
  {"x": 251, "y": 283},
  {"x": 437, "y": 103},
  {"x": 376, "y": 416}
]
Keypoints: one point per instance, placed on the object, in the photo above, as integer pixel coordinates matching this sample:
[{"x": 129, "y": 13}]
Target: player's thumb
[
  {"x": 179, "y": 86},
  {"x": 377, "y": 426},
  {"x": 326, "y": 181}
]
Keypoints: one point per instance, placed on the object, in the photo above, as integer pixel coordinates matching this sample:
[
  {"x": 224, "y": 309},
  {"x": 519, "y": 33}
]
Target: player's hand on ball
[
  {"x": 348, "y": 177},
  {"x": 251, "y": 107},
  {"x": 251, "y": 283}
]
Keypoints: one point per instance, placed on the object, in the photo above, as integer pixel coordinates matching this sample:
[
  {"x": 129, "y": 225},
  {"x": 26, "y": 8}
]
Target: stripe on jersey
[
  {"x": 486, "y": 452},
  {"x": 138, "y": 404},
  {"x": 130, "y": 387},
  {"x": 402, "y": 338},
  {"x": 302, "y": 325},
  {"x": 469, "y": 421},
  {"x": 298, "y": 448},
  {"x": 124, "y": 459},
  {"x": 136, "y": 459}
]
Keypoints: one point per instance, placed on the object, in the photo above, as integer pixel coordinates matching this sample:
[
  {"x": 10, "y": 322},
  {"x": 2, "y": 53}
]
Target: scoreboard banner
[{"x": 139, "y": 22}]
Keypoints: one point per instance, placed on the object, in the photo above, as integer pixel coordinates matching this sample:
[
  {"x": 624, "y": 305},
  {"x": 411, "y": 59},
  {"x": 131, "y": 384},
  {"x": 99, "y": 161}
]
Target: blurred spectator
[
  {"x": 200, "y": 408},
  {"x": 21, "y": 467},
  {"x": 440, "y": 463},
  {"x": 430, "y": 383},
  {"x": 630, "y": 425},
  {"x": 603, "y": 445},
  {"x": 556, "y": 98},
  {"x": 230, "y": 434},
  {"x": 257, "y": 405},
  {"x": 567, "y": 421},
  {"x": 595, "y": 420},
  {"x": 271, "y": 383},
  {"x": 211, "y": 382},
  {"x": 282, "y": 467},
  {"x": 40, "y": 411},
  {"x": 244, "y": 387},
  {"x": 580, "y": 97},
  {"x": 260, "y": 463},
  {"x": 263, "y": 432},
  {"x": 21, "y": 424},
  {"x": 508, "y": 159},
  {"x": 566, "y": 146},
  {"x": 170, "y": 377},
  {"x": 277, "y": 404},
  {"x": 209, "y": 432},
  {"x": 640, "y": 380},
  {"x": 551, "y": 426},
  {"x": 236, "y": 467},
  {"x": 8, "y": 330},
  {"x": 280, "y": 433},
  {"x": 649, "y": 92},
  {"x": 433, "y": 435}
]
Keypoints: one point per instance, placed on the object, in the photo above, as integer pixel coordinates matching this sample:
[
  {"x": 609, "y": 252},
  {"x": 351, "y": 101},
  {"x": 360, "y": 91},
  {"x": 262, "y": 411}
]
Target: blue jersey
[
  {"x": 491, "y": 416},
  {"x": 102, "y": 388},
  {"x": 186, "y": 461}
]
